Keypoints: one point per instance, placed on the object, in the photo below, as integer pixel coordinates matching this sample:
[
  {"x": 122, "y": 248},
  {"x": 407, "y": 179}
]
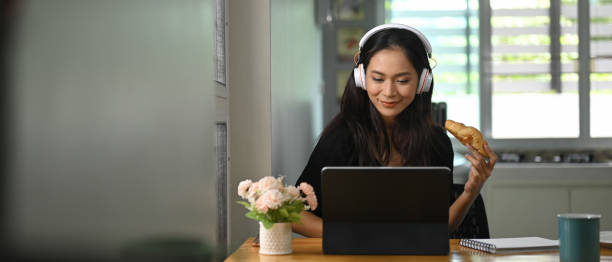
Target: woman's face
[{"x": 391, "y": 82}]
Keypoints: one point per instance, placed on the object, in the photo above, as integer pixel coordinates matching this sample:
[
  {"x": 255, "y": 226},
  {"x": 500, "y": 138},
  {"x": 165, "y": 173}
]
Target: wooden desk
[{"x": 310, "y": 249}]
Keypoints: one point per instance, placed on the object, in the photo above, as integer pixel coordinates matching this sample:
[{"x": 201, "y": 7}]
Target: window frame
[{"x": 584, "y": 141}]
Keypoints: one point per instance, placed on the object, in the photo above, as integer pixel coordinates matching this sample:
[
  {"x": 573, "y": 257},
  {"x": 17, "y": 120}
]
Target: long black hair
[{"x": 414, "y": 131}]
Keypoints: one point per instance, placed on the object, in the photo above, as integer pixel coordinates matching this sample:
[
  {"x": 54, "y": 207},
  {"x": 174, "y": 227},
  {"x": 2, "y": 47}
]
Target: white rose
[
  {"x": 269, "y": 183},
  {"x": 252, "y": 194},
  {"x": 293, "y": 192},
  {"x": 243, "y": 188}
]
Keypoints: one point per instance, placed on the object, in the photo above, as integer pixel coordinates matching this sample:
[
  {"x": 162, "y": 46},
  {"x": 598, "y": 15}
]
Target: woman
[{"x": 385, "y": 120}]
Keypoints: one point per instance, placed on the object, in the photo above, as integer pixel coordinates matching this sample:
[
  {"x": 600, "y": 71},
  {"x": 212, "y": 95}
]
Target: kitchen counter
[{"x": 524, "y": 198}]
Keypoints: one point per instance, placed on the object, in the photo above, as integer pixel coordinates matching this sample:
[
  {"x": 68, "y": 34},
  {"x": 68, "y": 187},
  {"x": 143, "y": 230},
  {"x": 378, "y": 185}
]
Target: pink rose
[
  {"x": 272, "y": 198},
  {"x": 311, "y": 199},
  {"x": 306, "y": 188},
  {"x": 243, "y": 188},
  {"x": 261, "y": 205},
  {"x": 269, "y": 183}
]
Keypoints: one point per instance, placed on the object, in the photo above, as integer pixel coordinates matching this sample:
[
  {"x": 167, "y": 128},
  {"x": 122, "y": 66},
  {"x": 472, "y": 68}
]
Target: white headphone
[{"x": 426, "y": 76}]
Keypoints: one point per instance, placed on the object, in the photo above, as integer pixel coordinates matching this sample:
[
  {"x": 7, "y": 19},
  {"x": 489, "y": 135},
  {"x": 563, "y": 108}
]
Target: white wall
[
  {"x": 113, "y": 112},
  {"x": 297, "y": 92},
  {"x": 275, "y": 97},
  {"x": 249, "y": 95}
]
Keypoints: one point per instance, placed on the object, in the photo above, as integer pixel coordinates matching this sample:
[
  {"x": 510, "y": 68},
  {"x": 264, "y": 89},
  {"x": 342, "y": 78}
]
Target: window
[
  {"x": 529, "y": 84},
  {"x": 601, "y": 66},
  {"x": 220, "y": 42},
  {"x": 527, "y": 68},
  {"x": 452, "y": 29},
  {"x": 534, "y": 77}
]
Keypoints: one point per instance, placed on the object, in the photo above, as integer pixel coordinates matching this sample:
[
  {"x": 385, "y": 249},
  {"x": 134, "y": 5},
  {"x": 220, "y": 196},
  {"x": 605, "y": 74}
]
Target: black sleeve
[
  {"x": 335, "y": 149},
  {"x": 443, "y": 150}
]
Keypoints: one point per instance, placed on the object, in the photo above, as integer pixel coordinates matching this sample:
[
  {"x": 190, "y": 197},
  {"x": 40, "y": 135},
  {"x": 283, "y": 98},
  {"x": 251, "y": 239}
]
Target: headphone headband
[{"x": 379, "y": 28}]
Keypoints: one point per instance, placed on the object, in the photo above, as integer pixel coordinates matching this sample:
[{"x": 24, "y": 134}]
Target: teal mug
[{"x": 578, "y": 237}]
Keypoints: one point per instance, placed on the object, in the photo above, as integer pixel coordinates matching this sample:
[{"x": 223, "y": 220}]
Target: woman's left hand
[{"x": 480, "y": 169}]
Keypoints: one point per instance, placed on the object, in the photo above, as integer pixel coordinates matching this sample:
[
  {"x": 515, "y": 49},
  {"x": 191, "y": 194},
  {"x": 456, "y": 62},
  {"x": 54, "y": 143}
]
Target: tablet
[{"x": 385, "y": 210}]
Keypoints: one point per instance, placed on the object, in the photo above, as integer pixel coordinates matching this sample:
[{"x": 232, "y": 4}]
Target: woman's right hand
[
  {"x": 311, "y": 226},
  {"x": 480, "y": 170}
]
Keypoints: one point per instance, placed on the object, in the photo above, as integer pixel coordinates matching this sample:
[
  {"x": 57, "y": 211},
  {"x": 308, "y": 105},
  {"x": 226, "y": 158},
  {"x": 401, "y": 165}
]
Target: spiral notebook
[{"x": 506, "y": 245}]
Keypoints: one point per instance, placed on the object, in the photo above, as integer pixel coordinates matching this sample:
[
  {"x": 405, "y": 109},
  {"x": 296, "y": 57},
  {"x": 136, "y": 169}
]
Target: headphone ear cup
[
  {"x": 359, "y": 76},
  {"x": 425, "y": 81}
]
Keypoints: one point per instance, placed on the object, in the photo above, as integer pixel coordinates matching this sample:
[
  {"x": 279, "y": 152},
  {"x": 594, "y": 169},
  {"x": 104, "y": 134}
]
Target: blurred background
[{"x": 127, "y": 125}]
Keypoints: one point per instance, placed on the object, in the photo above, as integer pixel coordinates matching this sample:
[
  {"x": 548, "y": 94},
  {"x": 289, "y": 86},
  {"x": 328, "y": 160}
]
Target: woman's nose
[{"x": 388, "y": 88}]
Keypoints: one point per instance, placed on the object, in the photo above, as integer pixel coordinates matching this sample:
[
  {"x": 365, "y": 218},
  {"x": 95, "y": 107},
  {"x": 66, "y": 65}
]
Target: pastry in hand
[{"x": 467, "y": 135}]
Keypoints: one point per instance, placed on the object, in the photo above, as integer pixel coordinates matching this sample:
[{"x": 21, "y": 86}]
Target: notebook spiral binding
[{"x": 486, "y": 247}]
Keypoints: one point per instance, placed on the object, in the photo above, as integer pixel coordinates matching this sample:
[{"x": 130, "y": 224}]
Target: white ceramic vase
[{"x": 276, "y": 240}]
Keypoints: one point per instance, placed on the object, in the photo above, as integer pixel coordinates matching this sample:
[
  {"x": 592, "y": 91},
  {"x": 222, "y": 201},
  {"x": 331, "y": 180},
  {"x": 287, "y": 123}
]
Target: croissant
[{"x": 467, "y": 135}]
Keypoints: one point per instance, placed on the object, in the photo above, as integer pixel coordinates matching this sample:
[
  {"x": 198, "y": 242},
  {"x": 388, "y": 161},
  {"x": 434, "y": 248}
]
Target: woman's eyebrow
[
  {"x": 404, "y": 74},
  {"x": 399, "y": 74},
  {"x": 377, "y": 72}
]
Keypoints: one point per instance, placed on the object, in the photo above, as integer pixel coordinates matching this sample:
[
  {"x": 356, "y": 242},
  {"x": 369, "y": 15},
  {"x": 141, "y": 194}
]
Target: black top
[{"x": 337, "y": 148}]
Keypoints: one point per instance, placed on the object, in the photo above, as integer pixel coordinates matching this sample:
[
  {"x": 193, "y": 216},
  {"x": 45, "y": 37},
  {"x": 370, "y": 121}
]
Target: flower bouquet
[{"x": 275, "y": 206}]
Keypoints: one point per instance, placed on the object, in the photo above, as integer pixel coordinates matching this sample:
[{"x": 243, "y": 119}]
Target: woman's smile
[{"x": 389, "y": 104}]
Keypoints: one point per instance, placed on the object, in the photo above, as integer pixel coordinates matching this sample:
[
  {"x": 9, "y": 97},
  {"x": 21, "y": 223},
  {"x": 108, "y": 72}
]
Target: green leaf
[
  {"x": 295, "y": 216},
  {"x": 283, "y": 212},
  {"x": 271, "y": 215},
  {"x": 298, "y": 205},
  {"x": 252, "y": 215},
  {"x": 245, "y": 204},
  {"x": 267, "y": 224},
  {"x": 260, "y": 216}
]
